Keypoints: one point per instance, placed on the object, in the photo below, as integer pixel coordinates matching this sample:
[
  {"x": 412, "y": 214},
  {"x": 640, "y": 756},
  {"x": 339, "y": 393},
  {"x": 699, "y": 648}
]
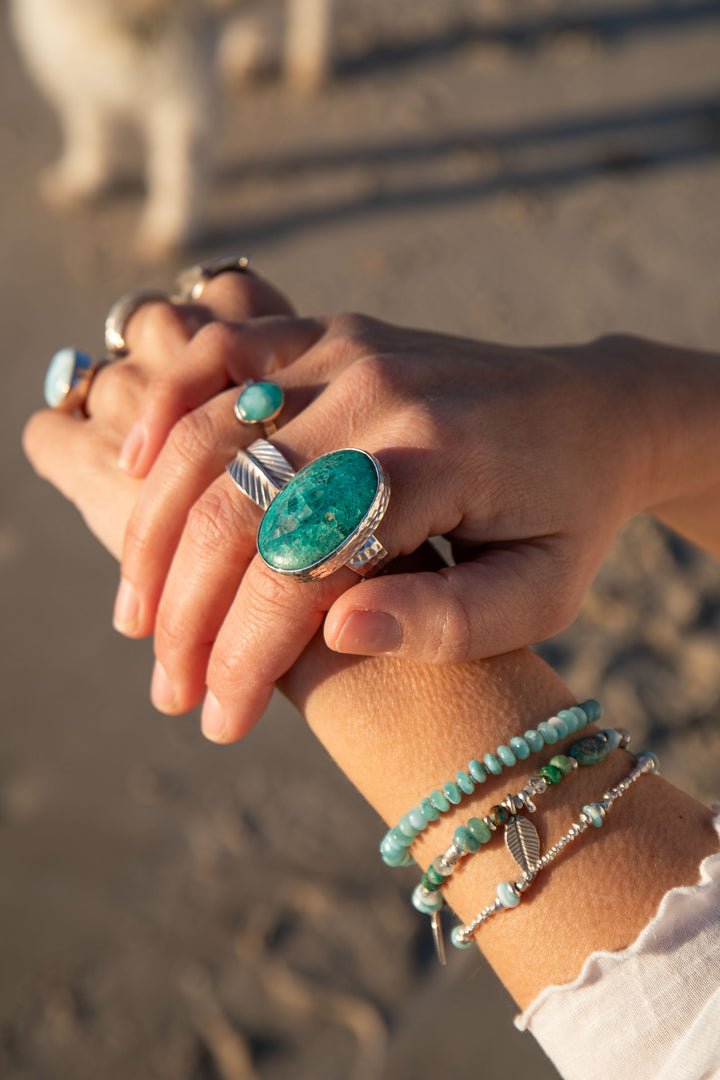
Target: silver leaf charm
[{"x": 523, "y": 842}]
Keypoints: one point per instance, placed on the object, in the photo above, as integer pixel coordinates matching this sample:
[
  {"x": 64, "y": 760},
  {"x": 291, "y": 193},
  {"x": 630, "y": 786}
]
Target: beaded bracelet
[
  {"x": 509, "y": 893},
  {"x": 394, "y": 845},
  {"x": 469, "y": 838}
]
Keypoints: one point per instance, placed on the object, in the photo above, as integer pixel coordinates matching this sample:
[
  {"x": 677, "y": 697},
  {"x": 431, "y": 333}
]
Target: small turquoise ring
[
  {"x": 260, "y": 403},
  {"x": 69, "y": 376},
  {"x": 325, "y": 517}
]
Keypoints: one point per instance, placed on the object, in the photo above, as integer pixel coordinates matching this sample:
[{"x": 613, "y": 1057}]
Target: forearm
[{"x": 400, "y": 730}]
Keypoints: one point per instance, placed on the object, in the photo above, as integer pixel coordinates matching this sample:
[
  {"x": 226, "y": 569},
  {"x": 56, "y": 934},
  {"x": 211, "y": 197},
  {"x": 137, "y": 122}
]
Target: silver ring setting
[
  {"x": 190, "y": 283},
  {"x": 318, "y": 519},
  {"x": 260, "y": 403},
  {"x": 120, "y": 314},
  {"x": 68, "y": 379},
  {"x": 325, "y": 518},
  {"x": 261, "y": 472}
]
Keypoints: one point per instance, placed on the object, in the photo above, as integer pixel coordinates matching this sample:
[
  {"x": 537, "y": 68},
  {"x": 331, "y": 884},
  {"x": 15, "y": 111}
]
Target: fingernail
[
  {"x": 161, "y": 689},
  {"x": 212, "y": 721},
  {"x": 126, "y": 613},
  {"x": 132, "y": 447},
  {"x": 368, "y": 633}
]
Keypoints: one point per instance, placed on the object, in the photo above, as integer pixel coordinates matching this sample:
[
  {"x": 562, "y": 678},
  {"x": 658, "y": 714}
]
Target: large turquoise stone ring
[
  {"x": 260, "y": 403},
  {"x": 68, "y": 379},
  {"x": 325, "y": 516}
]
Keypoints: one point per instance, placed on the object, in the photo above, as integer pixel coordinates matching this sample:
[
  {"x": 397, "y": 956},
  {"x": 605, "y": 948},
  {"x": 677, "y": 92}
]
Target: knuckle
[
  {"x": 212, "y": 522},
  {"x": 218, "y": 340},
  {"x": 193, "y": 436},
  {"x": 453, "y": 642}
]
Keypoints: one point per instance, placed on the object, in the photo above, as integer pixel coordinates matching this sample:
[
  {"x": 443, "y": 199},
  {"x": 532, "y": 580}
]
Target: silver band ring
[
  {"x": 190, "y": 283},
  {"x": 261, "y": 472},
  {"x": 68, "y": 379},
  {"x": 122, "y": 311}
]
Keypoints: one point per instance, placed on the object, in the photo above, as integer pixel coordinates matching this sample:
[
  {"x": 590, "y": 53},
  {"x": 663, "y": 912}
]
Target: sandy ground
[{"x": 534, "y": 171}]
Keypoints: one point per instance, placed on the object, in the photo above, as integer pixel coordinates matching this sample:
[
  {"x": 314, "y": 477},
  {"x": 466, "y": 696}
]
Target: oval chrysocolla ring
[{"x": 325, "y": 517}]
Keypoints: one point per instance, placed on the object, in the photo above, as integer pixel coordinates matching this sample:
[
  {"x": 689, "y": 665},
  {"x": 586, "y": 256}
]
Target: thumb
[{"x": 504, "y": 599}]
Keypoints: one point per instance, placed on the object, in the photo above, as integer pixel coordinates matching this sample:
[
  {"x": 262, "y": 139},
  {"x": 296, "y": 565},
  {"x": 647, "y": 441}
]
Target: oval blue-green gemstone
[
  {"x": 591, "y": 708},
  {"x": 574, "y": 719},
  {"x": 429, "y": 809},
  {"x": 440, "y": 800},
  {"x": 465, "y": 840},
  {"x": 464, "y": 782},
  {"x": 259, "y": 401},
  {"x": 62, "y": 373},
  {"x": 534, "y": 740},
  {"x": 519, "y": 747},
  {"x": 506, "y": 755},
  {"x": 507, "y": 895},
  {"x": 477, "y": 771},
  {"x": 492, "y": 764},
  {"x": 561, "y": 726},
  {"x": 452, "y": 792},
  {"x": 317, "y": 511},
  {"x": 417, "y": 819},
  {"x": 548, "y": 732}
]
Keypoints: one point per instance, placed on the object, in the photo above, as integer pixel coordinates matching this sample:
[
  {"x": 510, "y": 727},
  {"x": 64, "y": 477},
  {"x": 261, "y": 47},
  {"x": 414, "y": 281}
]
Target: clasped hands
[{"x": 527, "y": 460}]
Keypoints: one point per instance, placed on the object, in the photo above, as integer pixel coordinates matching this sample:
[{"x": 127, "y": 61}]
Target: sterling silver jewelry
[
  {"x": 190, "y": 283},
  {"x": 509, "y": 893},
  {"x": 260, "y": 471},
  {"x": 122, "y": 311},
  {"x": 326, "y": 516}
]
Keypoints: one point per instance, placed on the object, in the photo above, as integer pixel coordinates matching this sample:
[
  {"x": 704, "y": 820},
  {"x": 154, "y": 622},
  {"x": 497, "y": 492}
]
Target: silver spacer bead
[
  {"x": 490, "y": 824},
  {"x": 527, "y": 802}
]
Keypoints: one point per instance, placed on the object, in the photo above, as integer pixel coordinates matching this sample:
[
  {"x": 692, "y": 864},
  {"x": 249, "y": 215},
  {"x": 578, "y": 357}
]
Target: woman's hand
[
  {"x": 97, "y": 462},
  {"x": 527, "y": 459}
]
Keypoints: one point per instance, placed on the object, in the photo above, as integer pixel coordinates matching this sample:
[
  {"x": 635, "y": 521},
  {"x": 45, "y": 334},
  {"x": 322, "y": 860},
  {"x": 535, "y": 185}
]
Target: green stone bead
[
  {"x": 452, "y": 792},
  {"x": 479, "y": 829},
  {"x": 562, "y": 762},
  {"x": 464, "y": 782},
  {"x": 440, "y": 801},
  {"x": 551, "y": 774},
  {"x": 429, "y": 884},
  {"x": 433, "y": 877},
  {"x": 464, "y": 840},
  {"x": 430, "y": 811},
  {"x": 499, "y": 815},
  {"x": 317, "y": 511},
  {"x": 589, "y": 751}
]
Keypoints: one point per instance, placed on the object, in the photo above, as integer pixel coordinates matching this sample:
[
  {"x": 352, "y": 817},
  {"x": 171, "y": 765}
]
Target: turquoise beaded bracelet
[
  {"x": 394, "y": 845},
  {"x": 510, "y": 893},
  {"x": 471, "y": 837}
]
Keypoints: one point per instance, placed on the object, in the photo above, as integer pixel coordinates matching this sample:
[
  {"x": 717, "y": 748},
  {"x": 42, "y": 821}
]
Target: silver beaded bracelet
[{"x": 510, "y": 893}]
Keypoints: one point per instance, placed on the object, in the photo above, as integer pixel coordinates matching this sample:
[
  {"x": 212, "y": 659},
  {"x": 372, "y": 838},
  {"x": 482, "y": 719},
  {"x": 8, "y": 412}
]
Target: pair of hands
[{"x": 517, "y": 455}]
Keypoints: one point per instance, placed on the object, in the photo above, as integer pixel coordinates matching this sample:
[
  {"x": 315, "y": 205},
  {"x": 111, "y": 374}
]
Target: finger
[
  {"x": 158, "y": 330},
  {"x": 196, "y": 452},
  {"x": 79, "y": 461},
  {"x": 505, "y": 599},
  {"x": 271, "y": 622},
  {"x": 218, "y": 355},
  {"x": 217, "y": 544},
  {"x": 233, "y": 297}
]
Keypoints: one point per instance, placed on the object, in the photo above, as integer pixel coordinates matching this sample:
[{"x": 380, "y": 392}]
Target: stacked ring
[
  {"x": 120, "y": 314},
  {"x": 68, "y": 379},
  {"x": 260, "y": 403},
  {"x": 190, "y": 284},
  {"x": 320, "y": 518}
]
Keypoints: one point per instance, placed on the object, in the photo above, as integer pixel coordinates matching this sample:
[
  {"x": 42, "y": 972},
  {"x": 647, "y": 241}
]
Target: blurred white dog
[{"x": 152, "y": 65}]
